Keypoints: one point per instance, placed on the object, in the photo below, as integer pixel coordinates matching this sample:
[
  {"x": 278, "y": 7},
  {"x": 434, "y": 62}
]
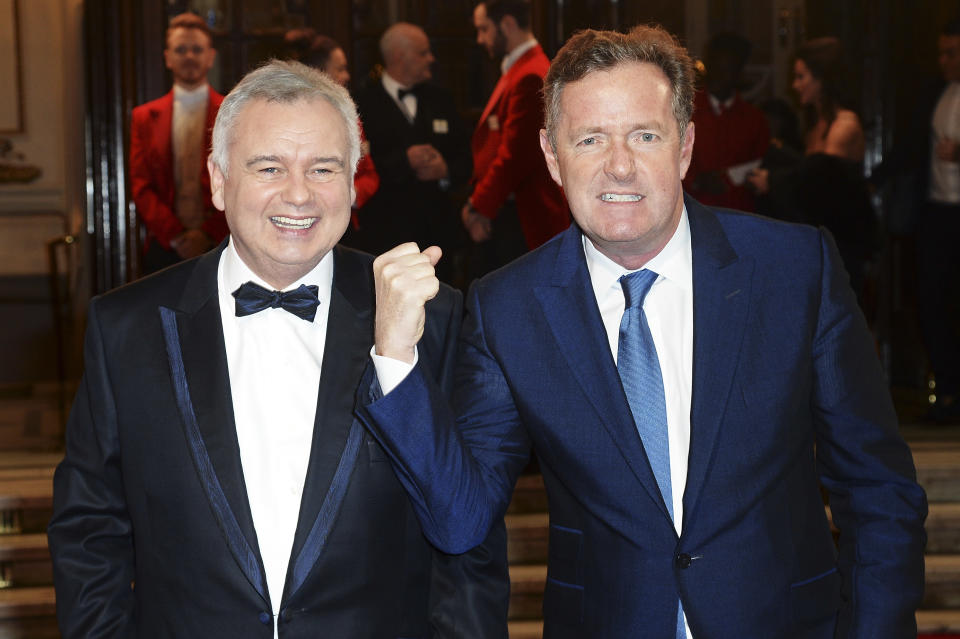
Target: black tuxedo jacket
[
  {"x": 405, "y": 208},
  {"x": 152, "y": 535}
]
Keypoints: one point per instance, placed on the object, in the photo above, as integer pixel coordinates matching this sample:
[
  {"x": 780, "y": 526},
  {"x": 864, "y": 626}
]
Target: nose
[
  {"x": 619, "y": 163},
  {"x": 296, "y": 192}
]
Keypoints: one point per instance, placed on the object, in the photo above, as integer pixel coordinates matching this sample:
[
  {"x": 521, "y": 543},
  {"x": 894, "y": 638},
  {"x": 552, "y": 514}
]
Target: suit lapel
[
  {"x": 195, "y": 348},
  {"x": 721, "y": 299},
  {"x": 570, "y": 308},
  {"x": 336, "y": 434}
]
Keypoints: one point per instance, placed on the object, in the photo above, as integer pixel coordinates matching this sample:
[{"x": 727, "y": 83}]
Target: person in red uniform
[
  {"x": 169, "y": 143},
  {"x": 732, "y": 134},
  {"x": 510, "y": 178}
]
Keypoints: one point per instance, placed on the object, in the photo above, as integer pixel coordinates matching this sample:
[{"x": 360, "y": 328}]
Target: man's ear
[
  {"x": 686, "y": 150},
  {"x": 508, "y": 25},
  {"x": 551, "y": 157},
  {"x": 216, "y": 183}
]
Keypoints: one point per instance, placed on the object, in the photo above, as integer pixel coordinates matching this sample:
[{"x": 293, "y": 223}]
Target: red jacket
[
  {"x": 151, "y": 170},
  {"x": 507, "y": 157},
  {"x": 739, "y": 134}
]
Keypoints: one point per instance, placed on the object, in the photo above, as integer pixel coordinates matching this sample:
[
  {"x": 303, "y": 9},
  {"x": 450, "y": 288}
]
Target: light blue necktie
[{"x": 642, "y": 382}]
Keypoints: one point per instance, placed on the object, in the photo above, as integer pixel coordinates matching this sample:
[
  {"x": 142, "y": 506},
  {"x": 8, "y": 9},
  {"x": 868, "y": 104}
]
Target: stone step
[
  {"x": 938, "y": 622},
  {"x": 28, "y": 613},
  {"x": 529, "y": 495},
  {"x": 527, "y": 536},
  {"x": 938, "y": 469},
  {"x": 942, "y": 582},
  {"x": 526, "y": 591},
  {"x": 525, "y": 629}
]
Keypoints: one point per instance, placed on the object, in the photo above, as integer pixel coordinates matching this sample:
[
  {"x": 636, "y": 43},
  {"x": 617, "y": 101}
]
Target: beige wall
[{"x": 52, "y": 89}]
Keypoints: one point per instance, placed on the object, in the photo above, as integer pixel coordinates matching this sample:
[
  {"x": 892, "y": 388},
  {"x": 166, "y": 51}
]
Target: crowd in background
[{"x": 484, "y": 196}]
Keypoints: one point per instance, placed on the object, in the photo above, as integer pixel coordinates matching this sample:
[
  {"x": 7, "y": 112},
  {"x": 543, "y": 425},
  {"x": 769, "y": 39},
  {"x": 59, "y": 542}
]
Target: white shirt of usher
[
  {"x": 274, "y": 360},
  {"x": 409, "y": 102}
]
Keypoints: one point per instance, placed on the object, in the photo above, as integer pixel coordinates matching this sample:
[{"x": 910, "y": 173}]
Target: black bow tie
[
  {"x": 402, "y": 93},
  {"x": 253, "y": 298}
]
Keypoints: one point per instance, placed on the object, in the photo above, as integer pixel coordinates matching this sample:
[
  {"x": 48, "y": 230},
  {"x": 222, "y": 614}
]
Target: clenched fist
[{"x": 405, "y": 281}]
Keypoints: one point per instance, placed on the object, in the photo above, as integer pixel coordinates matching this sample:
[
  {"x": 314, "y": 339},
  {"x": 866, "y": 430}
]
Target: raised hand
[{"x": 405, "y": 281}]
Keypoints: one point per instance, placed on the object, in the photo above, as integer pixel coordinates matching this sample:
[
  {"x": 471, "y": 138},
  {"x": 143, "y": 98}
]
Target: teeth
[
  {"x": 620, "y": 197},
  {"x": 290, "y": 223}
]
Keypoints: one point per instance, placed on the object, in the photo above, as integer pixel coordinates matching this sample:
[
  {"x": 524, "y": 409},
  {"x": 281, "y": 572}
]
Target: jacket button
[
  {"x": 265, "y": 618},
  {"x": 683, "y": 560}
]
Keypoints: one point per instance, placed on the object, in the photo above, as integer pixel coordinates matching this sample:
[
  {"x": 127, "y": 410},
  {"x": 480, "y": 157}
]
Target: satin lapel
[
  {"x": 198, "y": 361},
  {"x": 721, "y": 300},
  {"x": 336, "y": 434},
  {"x": 570, "y": 308}
]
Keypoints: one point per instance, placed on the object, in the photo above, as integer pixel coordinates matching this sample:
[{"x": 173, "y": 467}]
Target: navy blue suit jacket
[
  {"x": 151, "y": 534},
  {"x": 787, "y": 390}
]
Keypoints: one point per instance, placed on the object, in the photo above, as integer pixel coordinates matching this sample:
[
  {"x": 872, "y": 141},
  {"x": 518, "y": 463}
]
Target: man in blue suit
[{"x": 683, "y": 427}]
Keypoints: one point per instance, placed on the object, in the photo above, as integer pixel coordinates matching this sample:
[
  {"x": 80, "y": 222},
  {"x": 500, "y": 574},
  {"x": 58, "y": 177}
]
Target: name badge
[
  {"x": 440, "y": 126},
  {"x": 493, "y": 123}
]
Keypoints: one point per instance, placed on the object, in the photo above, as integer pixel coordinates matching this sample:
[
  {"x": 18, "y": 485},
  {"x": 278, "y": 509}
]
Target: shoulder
[
  {"x": 845, "y": 127},
  {"x": 141, "y": 299},
  {"x": 780, "y": 251},
  {"x": 518, "y": 278},
  {"x": 163, "y": 102}
]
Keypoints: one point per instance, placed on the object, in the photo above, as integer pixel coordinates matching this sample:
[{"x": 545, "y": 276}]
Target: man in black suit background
[
  {"x": 215, "y": 482},
  {"x": 420, "y": 146}
]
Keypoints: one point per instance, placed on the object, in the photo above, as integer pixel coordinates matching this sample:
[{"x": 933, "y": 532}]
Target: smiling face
[
  {"x": 805, "y": 83},
  {"x": 288, "y": 188},
  {"x": 189, "y": 56},
  {"x": 620, "y": 160}
]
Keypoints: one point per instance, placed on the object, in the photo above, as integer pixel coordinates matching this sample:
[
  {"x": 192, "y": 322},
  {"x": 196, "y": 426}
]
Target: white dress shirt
[
  {"x": 669, "y": 310},
  {"x": 274, "y": 359},
  {"x": 189, "y": 118},
  {"x": 409, "y": 102},
  {"x": 944, "y": 175}
]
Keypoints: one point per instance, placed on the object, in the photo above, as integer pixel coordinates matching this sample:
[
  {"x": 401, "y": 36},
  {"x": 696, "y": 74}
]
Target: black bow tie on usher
[
  {"x": 253, "y": 298},
  {"x": 402, "y": 93}
]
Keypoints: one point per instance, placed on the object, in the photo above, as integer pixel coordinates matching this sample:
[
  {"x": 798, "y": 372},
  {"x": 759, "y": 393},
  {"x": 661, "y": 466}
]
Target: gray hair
[
  {"x": 588, "y": 51},
  {"x": 285, "y": 82}
]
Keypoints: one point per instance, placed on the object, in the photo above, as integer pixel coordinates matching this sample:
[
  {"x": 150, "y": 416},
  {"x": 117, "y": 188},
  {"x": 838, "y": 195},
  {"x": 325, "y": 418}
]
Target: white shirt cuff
[{"x": 390, "y": 372}]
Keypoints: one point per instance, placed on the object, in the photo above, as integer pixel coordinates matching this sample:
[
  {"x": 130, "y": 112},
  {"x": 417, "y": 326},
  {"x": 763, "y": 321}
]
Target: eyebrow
[{"x": 333, "y": 159}]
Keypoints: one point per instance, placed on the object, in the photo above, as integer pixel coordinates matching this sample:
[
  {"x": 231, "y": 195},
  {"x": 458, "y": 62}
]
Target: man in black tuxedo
[
  {"x": 420, "y": 147},
  {"x": 216, "y": 483}
]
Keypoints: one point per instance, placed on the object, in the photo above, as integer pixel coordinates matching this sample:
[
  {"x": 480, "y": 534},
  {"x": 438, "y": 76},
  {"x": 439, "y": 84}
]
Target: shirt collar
[
  {"x": 391, "y": 85},
  {"x": 513, "y": 56},
  {"x": 235, "y": 273},
  {"x": 190, "y": 97},
  {"x": 674, "y": 262},
  {"x": 719, "y": 107}
]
